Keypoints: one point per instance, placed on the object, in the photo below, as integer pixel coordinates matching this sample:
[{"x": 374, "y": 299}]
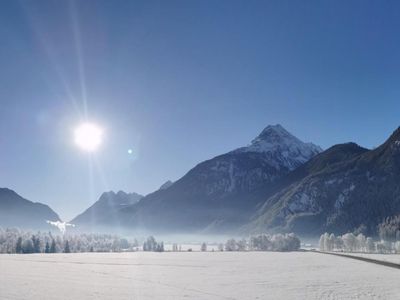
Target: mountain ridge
[
  {"x": 220, "y": 193},
  {"x": 104, "y": 210},
  {"x": 16, "y": 211},
  {"x": 354, "y": 194}
]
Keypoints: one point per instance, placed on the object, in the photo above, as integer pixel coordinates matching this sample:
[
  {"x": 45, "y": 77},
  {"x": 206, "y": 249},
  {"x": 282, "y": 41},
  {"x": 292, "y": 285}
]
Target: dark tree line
[
  {"x": 152, "y": 245},
  {"x": 32, "y": 245}
]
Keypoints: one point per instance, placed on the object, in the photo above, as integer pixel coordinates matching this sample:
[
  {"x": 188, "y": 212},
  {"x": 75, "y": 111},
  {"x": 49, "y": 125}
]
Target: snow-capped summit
[
  {"x": 285, "y": 149},
  {"x": 166, "y": 185},
  {"x": 273, "y": 130}
]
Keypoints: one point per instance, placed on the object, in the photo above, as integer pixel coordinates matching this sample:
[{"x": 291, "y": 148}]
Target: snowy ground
[{"x": 194, "y": 275}]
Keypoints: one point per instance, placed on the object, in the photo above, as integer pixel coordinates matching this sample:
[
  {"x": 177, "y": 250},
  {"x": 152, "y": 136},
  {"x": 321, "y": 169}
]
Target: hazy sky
[{"x": 179, "y": 82}]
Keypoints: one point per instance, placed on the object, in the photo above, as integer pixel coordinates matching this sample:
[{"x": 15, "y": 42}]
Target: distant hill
[
  {"x": 16, "y": 211},
  {"x": 104, "y": 212},
  {"x": 221, "y": 194},
  {"x": 343, "y": 189}
]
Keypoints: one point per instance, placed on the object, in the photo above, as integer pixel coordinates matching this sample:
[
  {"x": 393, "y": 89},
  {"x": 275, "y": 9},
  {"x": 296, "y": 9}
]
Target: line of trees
[
  {"x": 263, "y": 242},
  {"x": 356, "y": 243},
  {"x": 13, "y": 240},
  {"x": 389, "y": 229},
  {"x": 152, "y": 245}
]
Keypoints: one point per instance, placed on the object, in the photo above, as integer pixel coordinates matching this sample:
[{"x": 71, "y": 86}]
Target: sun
[{"x": 88, "y": 136}]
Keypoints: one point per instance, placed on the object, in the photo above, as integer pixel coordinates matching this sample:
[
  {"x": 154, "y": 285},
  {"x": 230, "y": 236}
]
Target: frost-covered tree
[
  {"x": 220, "y": 247},
  {"x": 285, "y": 242},
  {"x": 293, "y": 242},
  {"x": 17, "y": 241},
  {"x": 339, "y": 244},
  {"x": 261, "y": 242},
  {"x": 230, "y": 245},
  {"x": 329, "y": 241},
  {"x": 389, "y": 229},
  {"x": 242, "y": 245},
  {"x": 397, "y": 247},
  {"x": 278, "y": 242},
  {"x": 349, "y": 241},
  {"x": 203, "y": 247},
  {"x": 383, "y": 247},
  {"x": 321, "y": 243},
  {"x": 369, "y": 245},
  {"x": 361, "y": 243}
]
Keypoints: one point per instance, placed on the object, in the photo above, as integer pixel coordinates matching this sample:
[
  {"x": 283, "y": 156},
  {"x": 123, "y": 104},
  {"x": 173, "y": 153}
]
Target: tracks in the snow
[{"x": 365, "y": 259}]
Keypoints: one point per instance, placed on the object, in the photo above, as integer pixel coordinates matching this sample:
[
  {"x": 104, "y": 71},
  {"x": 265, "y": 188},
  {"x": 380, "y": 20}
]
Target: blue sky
[{"x": 183, "y": 81}]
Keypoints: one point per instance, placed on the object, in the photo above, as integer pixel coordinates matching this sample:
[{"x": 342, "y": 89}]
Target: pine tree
[
  {"x": 66, "y": 248},
  {"x": 53, "y": 246},
  {"x": 18, "y": 247},
  {"x": 27, "y": 246},
  {"x": 47, "y": 248},
  {"x": 36, "y": 244},
  {"x": 151, "y": 244},
  {"x": 204, "y": 247}
]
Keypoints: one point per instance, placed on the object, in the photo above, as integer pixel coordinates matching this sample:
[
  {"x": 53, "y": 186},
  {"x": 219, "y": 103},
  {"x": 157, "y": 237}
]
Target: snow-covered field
[{"x": 194, "y": 275}]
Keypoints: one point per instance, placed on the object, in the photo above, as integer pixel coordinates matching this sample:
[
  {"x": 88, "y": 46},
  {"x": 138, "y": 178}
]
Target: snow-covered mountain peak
[
  {"x": 166, "y": 185},
  {"x": 282, "y": 147},
  {"x": 275, "y": 134}
]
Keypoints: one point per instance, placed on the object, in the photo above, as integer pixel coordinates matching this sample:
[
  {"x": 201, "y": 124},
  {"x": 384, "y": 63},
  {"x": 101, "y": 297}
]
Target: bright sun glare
[{"x": 88, "y": 136}]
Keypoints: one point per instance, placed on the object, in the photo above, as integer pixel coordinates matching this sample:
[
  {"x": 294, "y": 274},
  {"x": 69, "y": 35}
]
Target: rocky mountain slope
[
  {"x": 222, "y": 193},
  {"x": 104, "y": 212},
  {"x": 16, "y": 211},
  {"x": 343, "y": 189}
]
